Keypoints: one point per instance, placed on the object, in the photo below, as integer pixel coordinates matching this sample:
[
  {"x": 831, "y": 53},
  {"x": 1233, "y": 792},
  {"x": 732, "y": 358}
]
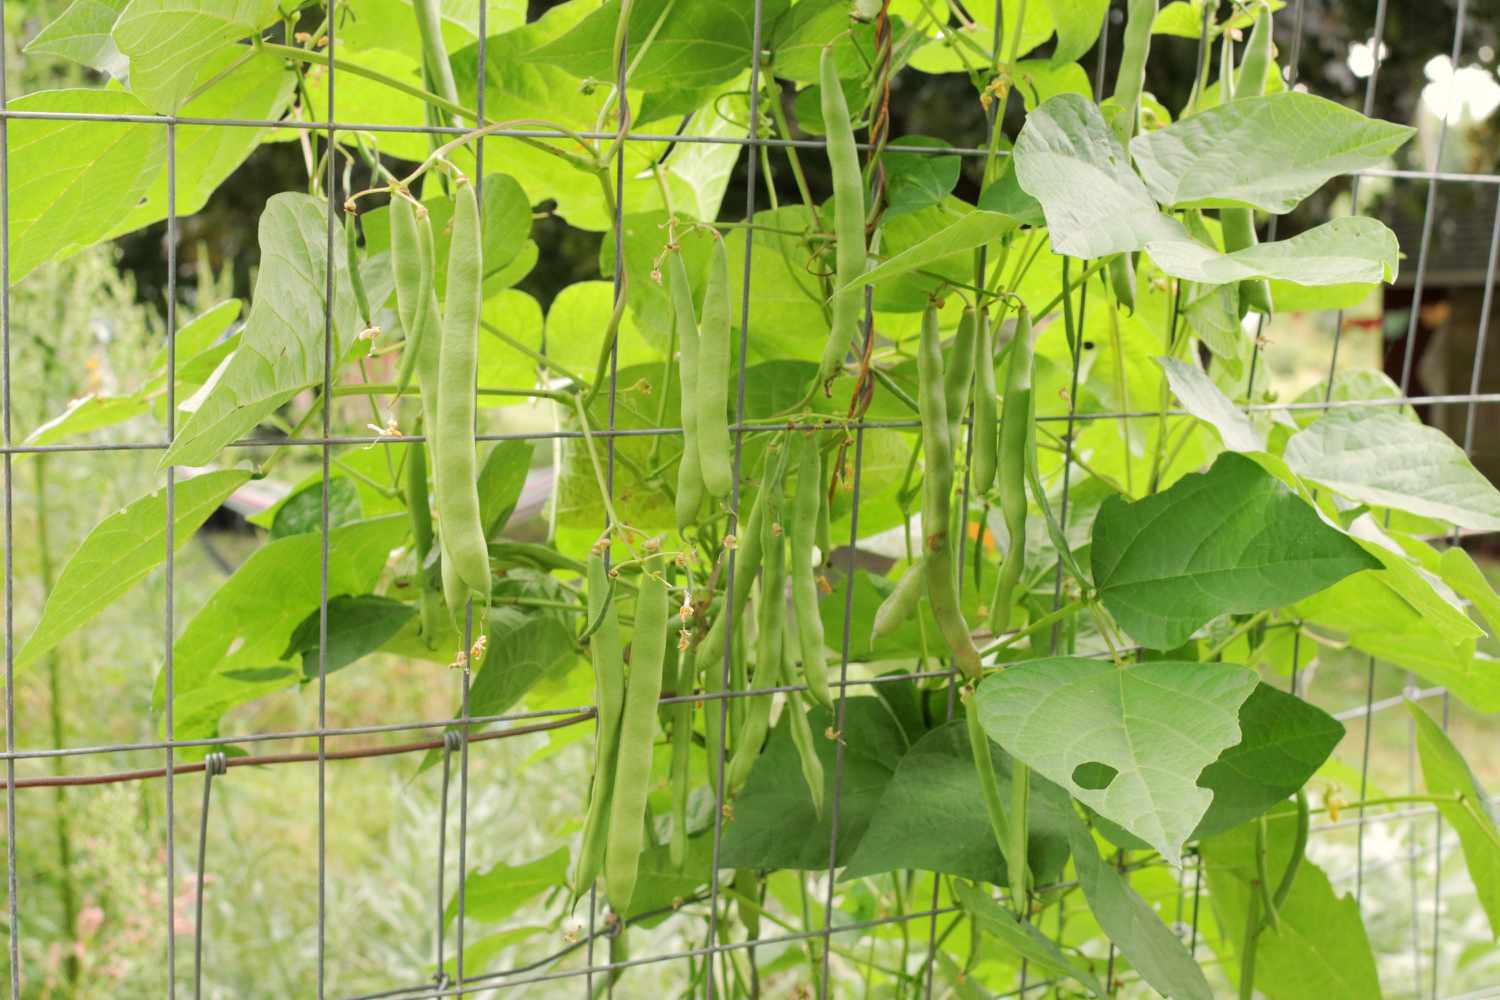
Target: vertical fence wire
[{"x": 716, "y": 952}]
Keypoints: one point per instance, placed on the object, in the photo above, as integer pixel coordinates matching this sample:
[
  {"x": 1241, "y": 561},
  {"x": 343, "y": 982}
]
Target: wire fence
[{"x": 579, "y": 966}]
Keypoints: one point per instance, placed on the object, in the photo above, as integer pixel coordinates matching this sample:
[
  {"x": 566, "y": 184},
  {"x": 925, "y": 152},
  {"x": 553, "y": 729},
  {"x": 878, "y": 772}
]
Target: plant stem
[
  {"x": 354, "y": 69},
  {"x": 1229, "y": 640},
  {"x": 434, "y": 53},
  {"x": 1036, "y": 626}
]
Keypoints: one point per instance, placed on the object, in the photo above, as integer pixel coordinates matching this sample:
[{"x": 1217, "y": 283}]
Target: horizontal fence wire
[{"x": 534, "y": 722}]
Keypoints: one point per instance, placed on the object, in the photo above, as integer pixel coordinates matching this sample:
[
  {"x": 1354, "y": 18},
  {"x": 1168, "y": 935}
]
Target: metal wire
[{"x": 461, "y": 731}]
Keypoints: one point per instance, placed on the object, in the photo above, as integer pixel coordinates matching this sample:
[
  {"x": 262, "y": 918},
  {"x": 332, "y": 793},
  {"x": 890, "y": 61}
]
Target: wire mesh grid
[{"x": 459, "y": 733}]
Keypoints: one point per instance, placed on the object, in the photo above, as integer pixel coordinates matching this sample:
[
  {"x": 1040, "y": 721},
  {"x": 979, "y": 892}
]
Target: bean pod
[
  {"x": 986, "y": 424},
  {"x": 606, "y": 653},
  {"x": 412, "y": 265},
  {"x": 901, "y": 603},
  {"x": 627, "y": 813},
  {"x": 804, "y": 578},
  {"x": 770, "y": 628},
  {"x": 715, "y": 454},
  {"x": 1239, "y": 223},
  {"x": 689, "y": 470},
  {"x": 848, "y": 217},
  {"x": 1015, "y": 430},
  {"x": 937, "y": 483},
  {"x": 457, "y": 491}
]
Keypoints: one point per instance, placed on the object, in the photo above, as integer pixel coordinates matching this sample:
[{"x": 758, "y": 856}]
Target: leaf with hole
[{"x": 1129, "y": 743}]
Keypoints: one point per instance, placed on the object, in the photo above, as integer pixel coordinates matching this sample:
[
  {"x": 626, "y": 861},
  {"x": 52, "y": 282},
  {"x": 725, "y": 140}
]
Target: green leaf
[
  {"x": 1283, "y": 742},
  {"x": 493, "y": 894},
  {"x": 1352, "y": 249},
  {"x": 167, "y": 41},
  {"x": 1386, "y": 460},
  {"x": 85, "y": 414},
  {"x": 931, "y": 817},
  {"x": 1069, "y": 159},
  {"x": 1460, "y": 572},
  {"x": 697, "y": 44},
  {"x": 1200, "y": 397},
  {"x": 121, "y": 550},
  {"x": 1128, "y": 743},
  {"x": 81, "y": 33},
  {"x": 200, "y": 333},
  {"x": 501, "y": 480},
  {"x": 259, "y": 90},
  {"x": 1233, "y": 540},
  {"x": 1078, "y": 23},
  {"x": 798, "y": 37},
  {"x": 1472, "y": 816},
  {"x": 974, "y": 229},
  {"x": 1022, "y": 938},
  {"x": 660, "y": 884},
  {"x": 1384, "y": 615},
  {"x": 1134, "y": 927},
  {"x": 525, "y": 644},
  {"x": 1320, "y": 949},
  {"x": 358, "y": 624},
  {"x": 282, "y": 344},
  {"x": 233, "y": 650},
  {"x": 71, "y": 181},
  {"x": 1039, "y": 79},
  {"x": 775, "y": 823},
  {"x": 918, "y": 180},
  {"x": 1263, "y": 152},
  {"x": 302, "y": 511}
]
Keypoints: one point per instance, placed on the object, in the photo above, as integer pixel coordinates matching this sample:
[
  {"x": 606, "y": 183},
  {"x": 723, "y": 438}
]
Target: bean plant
[{"x": 917, "y": 555}]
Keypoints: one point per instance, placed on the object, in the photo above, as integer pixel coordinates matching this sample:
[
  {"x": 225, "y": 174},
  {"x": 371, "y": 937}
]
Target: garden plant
[{"x": 1069, "y": 688}]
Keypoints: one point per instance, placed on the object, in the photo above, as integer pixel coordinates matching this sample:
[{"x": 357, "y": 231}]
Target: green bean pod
[
  {"x": 715, "y": 454},
  {"x": 804, "y": 579},
  {"x": 1140, "y": 15},
  {"x": 457, "y": 490},
  {"x": 1015, "y": 429},
  {"x": 606, "y": 651},
  {"x": 958, "y": 373},
  {"x": 770, "y": 630},
  {"x": 802, "y": 734},
  {"x": 937, "y": 485},
  {"x": 682, "y": 750},
  {"x": 1120, "y": 271},
  {"x": 627, "y": 813},
  {"x": 412, "y": 267},
  {"x": 747, "y": 558},
  {"x": 418, "y": 509},
  {"x": 1239, "y": 223},
  {"x": 356, "y": 280},
  {"x": 689, "y": 470},
  {"x": 986, "y": 424},
  {"x": 989, "y": 788},
  {"x": 901, "y": 603},
  {"x": 848, "y": 217}
]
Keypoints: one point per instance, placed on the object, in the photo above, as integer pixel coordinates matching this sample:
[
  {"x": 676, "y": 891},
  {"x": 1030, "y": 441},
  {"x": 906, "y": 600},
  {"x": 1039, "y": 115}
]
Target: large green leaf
[
  {"x": 281, "y": 347},
  {"x": 1021, "y": 937},
  {"x": 85, "y": 414},
  {"x": 167, "y": 41},
  {"x": 1078, "y": 23},
  {"x": 258, "y": 90},
  {"x": 1128, "y": 743},
  {"x": 1265, "y": 152},
  {"x": 932, "y": 817},
  {"x": 235, "y": 648},
  {"x": 525, "y": 644},
  {"x": 82, "y": 33},
  {"x": 72, "y": 181},
  {"x": 775, "y": 823},
  {"x": 492, "y": 894},
  {"x": 1471, "y": 812},
  {"x": 121, "y": 550},
  {"x": 1319, "y": 950},
  {"x": 1132, "y": 925},
  {"x": 1233, "y": 540},
  {"x": 1389, "y": 461},
  {"x": 694, "y": 45},
  {"x": 1069, "y": 159}
]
